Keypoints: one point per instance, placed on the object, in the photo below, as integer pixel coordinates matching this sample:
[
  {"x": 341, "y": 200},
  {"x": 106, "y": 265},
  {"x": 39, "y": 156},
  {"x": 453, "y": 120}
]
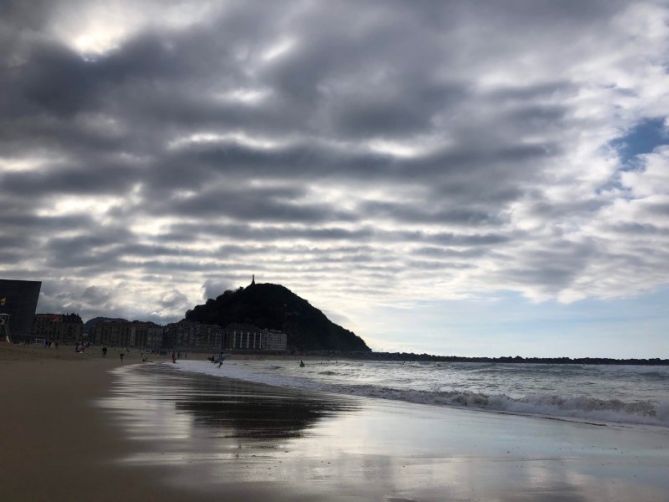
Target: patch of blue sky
[{"x": 643, "y": 138}]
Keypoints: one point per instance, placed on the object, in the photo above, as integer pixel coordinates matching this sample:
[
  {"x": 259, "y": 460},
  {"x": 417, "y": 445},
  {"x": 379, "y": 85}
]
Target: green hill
[{"x": 273, "y": 306}]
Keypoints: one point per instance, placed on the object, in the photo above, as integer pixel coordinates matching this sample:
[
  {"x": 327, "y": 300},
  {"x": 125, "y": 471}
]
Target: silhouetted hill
[{"x": 273, "y": 306}]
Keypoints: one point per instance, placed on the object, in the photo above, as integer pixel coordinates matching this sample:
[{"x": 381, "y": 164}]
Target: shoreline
[
  {"x": 374, "y": 449},
  {"x": 416, "y": 397},
  {"x": 97, "y": 429}
]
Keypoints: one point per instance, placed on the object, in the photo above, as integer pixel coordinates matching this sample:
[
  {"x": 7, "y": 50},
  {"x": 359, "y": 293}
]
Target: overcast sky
[{"x": 442, "y": 176}]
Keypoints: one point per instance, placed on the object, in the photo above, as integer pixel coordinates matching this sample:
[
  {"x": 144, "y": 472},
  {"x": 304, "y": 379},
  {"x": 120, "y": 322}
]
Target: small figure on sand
[
  {"x": 174, "y": 357},
  {"x": 301, "y": 363},
  {"x": 104, "y": 351},
  {"x": 121, "y": 355}
]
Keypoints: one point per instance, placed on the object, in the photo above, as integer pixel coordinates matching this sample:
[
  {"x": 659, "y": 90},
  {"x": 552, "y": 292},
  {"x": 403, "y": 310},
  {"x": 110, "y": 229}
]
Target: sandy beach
[
  {"x": 55, "y": 444},
  {"x": 79, "y": 427}
]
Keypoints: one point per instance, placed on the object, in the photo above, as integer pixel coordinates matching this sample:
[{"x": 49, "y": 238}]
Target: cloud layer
[{"x": 357, "y": 152}]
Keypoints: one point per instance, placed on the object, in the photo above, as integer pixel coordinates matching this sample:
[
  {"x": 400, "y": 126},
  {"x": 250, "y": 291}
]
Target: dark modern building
[{"x": 18, "y": 299}]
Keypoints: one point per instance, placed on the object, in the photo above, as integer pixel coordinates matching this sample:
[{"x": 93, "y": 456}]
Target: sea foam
[{"x": 418, "y": 384}]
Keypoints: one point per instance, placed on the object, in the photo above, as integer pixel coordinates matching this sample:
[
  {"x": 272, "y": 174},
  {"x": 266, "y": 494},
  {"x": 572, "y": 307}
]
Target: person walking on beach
[
  {"x": 121, "y": 355},
  {"x": 104, "y": 351},
  {"x": 301, "y": 363},
  {"x": 174, "y": 357}
]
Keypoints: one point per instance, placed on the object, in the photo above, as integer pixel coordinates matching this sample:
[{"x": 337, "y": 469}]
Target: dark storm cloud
[
  {"x": 394, "y": 110},
  {"x": 94, "y": 294},
  {"x": 251, "y": 204},
  {"x": 174, "y": 300},
  {"x": 658, "y": 209},
  {"x": 95, "y": 180},
  {"x": 94, "y": 248},
  {"x": 189, "y": 232},
  {"x": 54, "y": 80},
  {"x": 461, "y": 173},
  {"x": 136, "y": 249},
  {"x": 440, "y": 252},
  {"x": 184, "y": 232},
  {"x": 150, "y": 143},
  {"x": 37, "y": 225},
  {"x": 408, "y": 212},
  {"x": 308, "y": 160},
  {"x": 642, "y": 229}
]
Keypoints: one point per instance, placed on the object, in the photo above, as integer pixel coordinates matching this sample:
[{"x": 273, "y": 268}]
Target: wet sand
[{"x": 74, "y": 431}]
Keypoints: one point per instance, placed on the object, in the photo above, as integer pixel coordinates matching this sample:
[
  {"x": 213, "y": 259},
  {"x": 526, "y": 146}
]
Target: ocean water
[{"x": 593, "y": 393}]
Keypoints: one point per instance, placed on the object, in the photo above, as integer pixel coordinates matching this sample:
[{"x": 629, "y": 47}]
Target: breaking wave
[
  {"x": 578, "y": 408},
  {"x": 548, "y": 404}
]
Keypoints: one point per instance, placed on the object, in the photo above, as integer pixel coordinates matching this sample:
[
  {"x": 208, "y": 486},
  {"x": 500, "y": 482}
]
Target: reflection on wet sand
[
  {"x": 154, "y": 401},
  {"x": 212, "y": 433},
  {"x": 246, "y": 411}
]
